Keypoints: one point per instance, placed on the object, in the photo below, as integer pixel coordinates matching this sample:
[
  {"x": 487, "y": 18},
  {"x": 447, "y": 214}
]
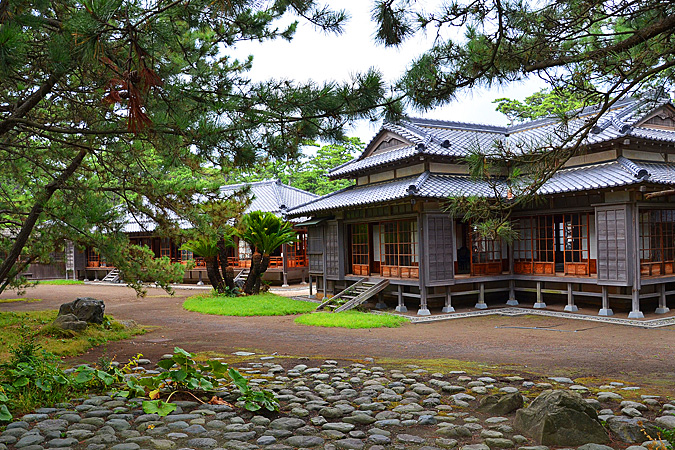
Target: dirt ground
[{"x": 568, "y": 348}]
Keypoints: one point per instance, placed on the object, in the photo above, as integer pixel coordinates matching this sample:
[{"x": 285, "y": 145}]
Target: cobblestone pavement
[{"x": 326, "y": 405}]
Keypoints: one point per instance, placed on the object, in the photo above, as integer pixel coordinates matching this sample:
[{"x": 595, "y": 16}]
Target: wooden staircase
[
  {"x": 112, "y": 277},
  {"x": 355, "y": 295},
  {"x": 242, "y": 276}
]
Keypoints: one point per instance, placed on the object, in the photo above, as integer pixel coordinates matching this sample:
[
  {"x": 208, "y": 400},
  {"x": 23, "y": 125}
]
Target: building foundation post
[
  {"x": 448, "y": 301},
  {"x": 200, "y": 282},
  {"x": 635, "y": 310},
  {"x": 663, "y": 308},
  {"x": 310, "y": 284},
  {"x": 401, "y": 304},
  {"x": 540, "y": 301},
  {"x": 512, "y": 294},
  {"x": 605, "y": 310},
  {"x": 570, "y": 307},
  {"x": 424, "y": 309},
  {"x": 481, "y": 297},
  {"x": 380, "y": 301}
]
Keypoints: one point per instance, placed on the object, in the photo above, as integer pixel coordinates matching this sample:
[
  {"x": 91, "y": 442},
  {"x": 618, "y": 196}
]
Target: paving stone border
[{"x": 334, "y": 407}]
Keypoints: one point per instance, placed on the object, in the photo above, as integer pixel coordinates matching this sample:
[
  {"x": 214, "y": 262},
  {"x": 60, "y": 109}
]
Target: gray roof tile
[
  {"x": 619, "y": 122},
  {"x": 269, "y": 196},
  {"x": 622, "y": 172}
]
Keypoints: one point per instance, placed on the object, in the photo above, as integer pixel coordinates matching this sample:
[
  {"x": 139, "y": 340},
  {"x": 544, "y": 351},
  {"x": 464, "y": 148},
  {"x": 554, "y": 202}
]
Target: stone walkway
[
  {"x": 329, "y": 406},
  {"x": 514, "y": 311}
]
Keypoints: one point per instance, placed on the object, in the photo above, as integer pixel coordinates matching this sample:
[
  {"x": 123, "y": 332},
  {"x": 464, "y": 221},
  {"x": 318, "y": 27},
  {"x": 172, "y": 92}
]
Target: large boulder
[
  {"x": 86, "y": 309},
  {"x": 69, "y": 322},
  {"x": 561, "y": 418},
  {"x": 501, "y": 405}
]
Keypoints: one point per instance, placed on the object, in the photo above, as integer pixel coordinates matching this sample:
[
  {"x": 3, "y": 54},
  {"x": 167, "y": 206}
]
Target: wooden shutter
[
  {"x": 315, "y": 248},
  {"x": 332, "y": 250},
  {"x": 439, "y": 249},
  {"x": 613, "y": 225}
]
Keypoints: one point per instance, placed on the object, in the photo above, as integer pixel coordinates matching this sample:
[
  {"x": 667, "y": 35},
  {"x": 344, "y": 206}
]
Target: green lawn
[
  {"x": 351, "y": 319},
  {"x": 16, "y": 326},
  {"x": 59, "y": 282},
  {"x": 266, "y": 304}
]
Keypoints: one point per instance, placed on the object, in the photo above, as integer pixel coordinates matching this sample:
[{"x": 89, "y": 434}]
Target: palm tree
[
  {"x": 264, "y": 232},
  {"x": 208, "y": 248}
]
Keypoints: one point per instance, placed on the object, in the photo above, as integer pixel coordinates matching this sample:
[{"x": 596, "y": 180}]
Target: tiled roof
[
  {"x": 269, "y": 196},
  {"x": 622, "y": 172},
  {"x": 457, "y": 139}
]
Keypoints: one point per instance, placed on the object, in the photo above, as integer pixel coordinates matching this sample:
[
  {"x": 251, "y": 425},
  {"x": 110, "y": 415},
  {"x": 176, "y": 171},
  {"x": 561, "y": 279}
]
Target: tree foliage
[
  {"x": 309, "y": 172},
  {"x": 264, "y": 232},
  {"x": 116, "y": 106},
  {"x": 544, "y": 103},
  {"x": 595, "y": 52}
]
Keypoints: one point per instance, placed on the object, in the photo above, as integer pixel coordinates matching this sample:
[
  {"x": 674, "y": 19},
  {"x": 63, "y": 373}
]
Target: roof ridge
[{"x": 637, "y": 171}]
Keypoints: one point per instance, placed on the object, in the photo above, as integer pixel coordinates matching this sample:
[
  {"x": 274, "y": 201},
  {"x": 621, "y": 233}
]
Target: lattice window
[
  {"x": 165, "y": 247},
  {"x": 186, "y": 255},
  {"x": 297, "y": 251},
  {"x": 360, "y": 244},
  {"x": 486, "y": 255},
  {"x": 657, "y": 242},
  {"x": 399, "y": 249},
  {"x": 93, "y": 257},
  {"x": 549, "y": 239}
]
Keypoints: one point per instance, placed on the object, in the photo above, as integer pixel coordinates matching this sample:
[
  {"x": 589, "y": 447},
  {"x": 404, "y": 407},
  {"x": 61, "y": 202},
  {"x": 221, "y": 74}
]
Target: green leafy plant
[
  {"x": 253, "y": 400},
  {"x": 32, "y": 377},
  {"x": 184, "y": 374}
]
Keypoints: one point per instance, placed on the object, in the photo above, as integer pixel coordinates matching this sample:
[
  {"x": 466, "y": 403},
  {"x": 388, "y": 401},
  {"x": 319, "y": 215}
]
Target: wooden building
[
  {"x": 603, "y": 236},
  {"x": 287, "y": 264}
]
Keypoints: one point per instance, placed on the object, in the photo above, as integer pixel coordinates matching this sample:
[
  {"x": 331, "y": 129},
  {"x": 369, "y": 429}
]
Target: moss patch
[{"x": 14, "y": 326}]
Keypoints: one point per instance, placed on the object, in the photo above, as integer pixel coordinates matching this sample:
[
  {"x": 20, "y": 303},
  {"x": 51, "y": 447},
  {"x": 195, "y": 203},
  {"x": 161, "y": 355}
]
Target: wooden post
[
  {"x": 512, "y": 294},
  {"x": 663, "y": 307},
  {"x": 200, "y": 282},
  {"x": 424, "y": 309},
  {"x": 605, "y": 310},
  {"x": 570, "y": 307},
  {"x": 540, "y": 304},
  {"x": 401, "y": 303},
  {"x": 284, "y": 265},
  {"x": 310, "y": 285},
  {"x": 448, "y": 301},
  {"x": 635, "y": 310},
  {"x": 481, "y": 297},
  {"x": 325, "y": 288}
]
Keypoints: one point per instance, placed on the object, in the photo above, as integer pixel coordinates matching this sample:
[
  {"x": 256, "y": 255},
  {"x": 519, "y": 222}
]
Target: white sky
[{"x": 314, "y": 55}]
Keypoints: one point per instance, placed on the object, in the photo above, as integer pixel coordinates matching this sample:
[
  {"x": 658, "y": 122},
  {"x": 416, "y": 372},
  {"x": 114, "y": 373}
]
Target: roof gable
[{"x": 661, "y": 119}]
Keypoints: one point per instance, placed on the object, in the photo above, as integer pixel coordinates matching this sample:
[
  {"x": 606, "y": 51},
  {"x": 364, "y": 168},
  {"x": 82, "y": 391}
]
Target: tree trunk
[
  {"x": 214, "y": 274},
  {"x": 264, "y": 264},
  {"x": 31, "y": 219},
  {"x": 249, "y": 286},
  {"x": 228, "y": 272}
]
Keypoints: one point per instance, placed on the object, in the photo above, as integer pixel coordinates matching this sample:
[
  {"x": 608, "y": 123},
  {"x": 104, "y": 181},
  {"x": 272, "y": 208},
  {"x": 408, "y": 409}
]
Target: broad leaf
[
  {"x": 5, "y": 415},
  {"x": 158, "y": 407}
]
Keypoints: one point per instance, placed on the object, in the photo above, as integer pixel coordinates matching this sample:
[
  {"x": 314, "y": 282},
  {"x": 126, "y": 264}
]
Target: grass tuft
[
  {"x": 27, "y": 300},
  {"x": 59, "y": 282},
  {"x": 351, "y": 319},
  {"x": 267, "y": 304}
]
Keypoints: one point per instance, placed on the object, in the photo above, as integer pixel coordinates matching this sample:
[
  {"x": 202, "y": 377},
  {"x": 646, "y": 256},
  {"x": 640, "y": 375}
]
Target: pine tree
[{"x": 116, "y": 106}]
